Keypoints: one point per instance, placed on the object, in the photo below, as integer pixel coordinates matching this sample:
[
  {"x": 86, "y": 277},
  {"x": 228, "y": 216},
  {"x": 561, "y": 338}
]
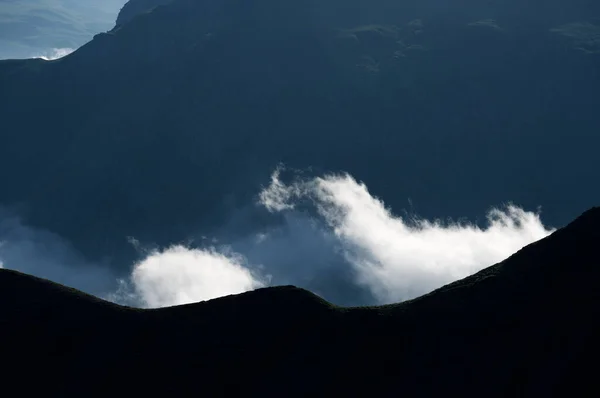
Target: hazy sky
[{"x": 52, "y": 28}]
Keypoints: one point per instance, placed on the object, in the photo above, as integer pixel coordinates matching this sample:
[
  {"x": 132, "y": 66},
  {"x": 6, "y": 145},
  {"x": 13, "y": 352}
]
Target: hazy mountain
[
  {"x": 527, "y": 326},
  {"x": 32, "y": 28},
  {"x": 164, "y": 129}
]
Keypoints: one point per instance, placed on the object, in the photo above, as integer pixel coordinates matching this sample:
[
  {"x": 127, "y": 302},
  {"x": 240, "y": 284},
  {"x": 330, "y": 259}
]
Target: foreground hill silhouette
[
  {"x": 164, "y": 126},
  {"x": 527, "y": 326}
]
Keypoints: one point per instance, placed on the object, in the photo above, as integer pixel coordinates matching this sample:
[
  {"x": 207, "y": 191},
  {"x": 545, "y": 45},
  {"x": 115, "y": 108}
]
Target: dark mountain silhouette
[
  {"x": 527, "y": 326},
  {"x": 135, "y": 7},
  {"x": 163, "y": 126}
]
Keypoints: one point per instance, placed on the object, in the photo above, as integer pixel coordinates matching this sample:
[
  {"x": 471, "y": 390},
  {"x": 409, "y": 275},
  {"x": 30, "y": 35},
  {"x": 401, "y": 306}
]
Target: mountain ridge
[
  {"x": 581, "y": 227},
  {"x": 525, "y": 326}
]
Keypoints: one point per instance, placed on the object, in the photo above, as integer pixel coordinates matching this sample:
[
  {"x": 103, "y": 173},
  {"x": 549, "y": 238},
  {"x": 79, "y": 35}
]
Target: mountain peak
[
  {"x": 281, "y": 302},
  {"x": 587, "y": 222},
  {"x": 133, "y": 8}
]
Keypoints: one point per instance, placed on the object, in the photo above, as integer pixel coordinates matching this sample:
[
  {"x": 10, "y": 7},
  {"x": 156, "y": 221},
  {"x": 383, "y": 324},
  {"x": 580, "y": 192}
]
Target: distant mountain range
[
  {"x": 164, "y": 127},
  {"x": 31, "y": 28},
  {"x": 526, "y": 327}
]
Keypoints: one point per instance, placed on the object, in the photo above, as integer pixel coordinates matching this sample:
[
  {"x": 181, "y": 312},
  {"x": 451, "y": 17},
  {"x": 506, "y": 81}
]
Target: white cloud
[
  {"x": 346, "y": 246},
  {"x": 399, "y": 259},
  {"x": 174, "y": 276},
  {"x": 180, "y": 275},
  {"x": 55, "y": 53},
  {"x": 278, "y": 196}
]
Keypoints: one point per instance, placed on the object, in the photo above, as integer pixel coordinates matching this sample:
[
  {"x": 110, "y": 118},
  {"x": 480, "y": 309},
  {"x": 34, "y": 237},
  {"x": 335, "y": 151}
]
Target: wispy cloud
[
  {"x": 398, "y": 258},
  {"x": 55, "y": 53}
]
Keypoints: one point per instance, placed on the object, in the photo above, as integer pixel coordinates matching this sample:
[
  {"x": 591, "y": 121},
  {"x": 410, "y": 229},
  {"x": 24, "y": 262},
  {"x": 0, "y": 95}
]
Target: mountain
[
  {"x": 166, "y": 125},
  {"x": 133, "y": 8},
  {"x": 33, "y": 28},
  {"x": 527, "y": 326}
]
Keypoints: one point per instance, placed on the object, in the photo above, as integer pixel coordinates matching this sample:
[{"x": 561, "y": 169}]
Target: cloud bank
[
  {"x": 396, "y": 258},
  {"x": 333, "y": 238}
]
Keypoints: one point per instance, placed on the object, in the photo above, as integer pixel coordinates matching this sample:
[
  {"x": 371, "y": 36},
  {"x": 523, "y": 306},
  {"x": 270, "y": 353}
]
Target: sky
[
  {"x": 51, "y": 29},
  {"x": 334, "y": 239}
]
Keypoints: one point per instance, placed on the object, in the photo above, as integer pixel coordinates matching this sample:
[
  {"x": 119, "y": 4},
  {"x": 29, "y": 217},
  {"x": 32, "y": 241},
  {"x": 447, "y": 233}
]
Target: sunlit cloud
[
  {"x": 180, "y": 275},
  {"x": 396, "y": 258},
  {"x": 334, "y": 238}
]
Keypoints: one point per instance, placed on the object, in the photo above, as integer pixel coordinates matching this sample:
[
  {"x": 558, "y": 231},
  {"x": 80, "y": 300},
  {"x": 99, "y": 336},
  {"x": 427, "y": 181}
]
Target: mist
[
  {"x": 44, "y": 254},
  {"x": 333, "y": 238},
  {"x": 399, "y": 258},
  {"x": 55, "y": 53}
]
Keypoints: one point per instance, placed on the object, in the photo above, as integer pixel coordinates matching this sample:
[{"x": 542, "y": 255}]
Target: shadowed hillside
[
  {"x": 525, "y": 327},
  {"x": 166, "y": 125}
]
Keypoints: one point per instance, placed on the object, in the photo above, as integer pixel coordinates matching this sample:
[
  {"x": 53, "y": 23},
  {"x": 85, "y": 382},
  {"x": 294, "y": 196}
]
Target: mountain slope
[
  {"x": 169, "y": 123},
  {"x": 524, "y": 327}
]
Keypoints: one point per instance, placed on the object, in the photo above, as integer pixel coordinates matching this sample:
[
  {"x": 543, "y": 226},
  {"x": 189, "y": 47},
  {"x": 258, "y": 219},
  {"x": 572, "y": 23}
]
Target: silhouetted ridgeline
[
  {"x": 525, "y": 327},
  {"x": 135, "y": 7}
]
